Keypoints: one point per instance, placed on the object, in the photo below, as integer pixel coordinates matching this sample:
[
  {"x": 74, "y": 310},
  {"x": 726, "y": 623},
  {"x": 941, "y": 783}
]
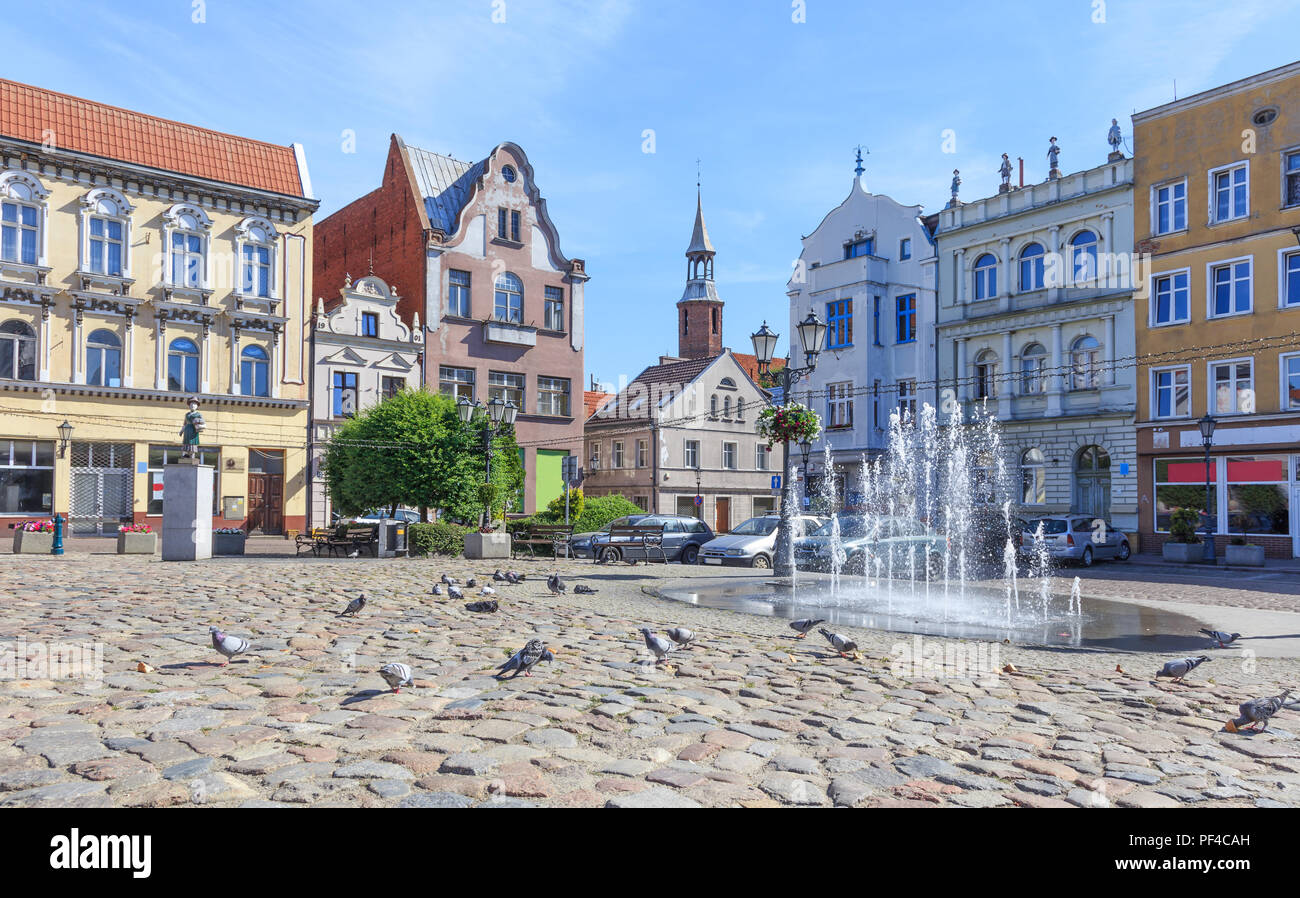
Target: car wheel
[
  {"x": 609, "y": 554},
  {"x": 1124, "y": 551},
  {"x": 690, "y": 554},
  {"x": 1086, "y": 558},
  {"x": 761, "y": 561}
]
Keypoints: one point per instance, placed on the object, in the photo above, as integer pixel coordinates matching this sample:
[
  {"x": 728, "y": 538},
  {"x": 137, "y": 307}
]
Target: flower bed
[
  {"x": 228, "y": 541},
  {"x": 34, "y": 537}
]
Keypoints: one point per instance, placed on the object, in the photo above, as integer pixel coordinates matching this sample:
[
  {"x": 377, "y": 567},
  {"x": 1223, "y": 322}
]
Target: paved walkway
[{"x": 747, "y": 716}]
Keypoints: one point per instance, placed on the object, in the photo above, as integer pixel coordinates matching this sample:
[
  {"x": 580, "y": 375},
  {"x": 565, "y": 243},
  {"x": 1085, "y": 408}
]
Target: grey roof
[
  {"x": 445, "y": 183},
  {"x": 699, "y": 288},
  {"x": 670, "y": 374},
  {"x": 700, "y": 236}
]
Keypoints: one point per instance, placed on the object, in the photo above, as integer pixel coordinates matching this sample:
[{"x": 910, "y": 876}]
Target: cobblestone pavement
[
  {"x": 748, "y": 716},
  {"x": 1267, "y": 590}
]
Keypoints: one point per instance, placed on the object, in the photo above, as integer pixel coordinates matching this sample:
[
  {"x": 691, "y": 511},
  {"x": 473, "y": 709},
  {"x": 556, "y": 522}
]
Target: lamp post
[
  {"x": 1207, "y": 425},
  {"x": 699, "y": 498},
  {"x": 805, "y": 449},
  {"x": 65, "y": 437},
  {"x": 500, "y": 416},
  {"x": 812, "y": 334}
]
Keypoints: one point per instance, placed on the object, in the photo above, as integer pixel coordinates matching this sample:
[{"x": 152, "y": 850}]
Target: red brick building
[{"x": 476, "y": 258}]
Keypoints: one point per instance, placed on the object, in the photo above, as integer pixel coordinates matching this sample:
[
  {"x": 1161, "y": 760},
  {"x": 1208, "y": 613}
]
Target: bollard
[{"x": 57, "y": 548}]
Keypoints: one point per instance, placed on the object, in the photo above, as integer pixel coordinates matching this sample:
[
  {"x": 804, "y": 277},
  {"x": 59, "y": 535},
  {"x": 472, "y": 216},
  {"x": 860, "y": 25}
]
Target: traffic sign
[
  {"x": 699, "y": 500},
  {"x": 776, "y": 481}
]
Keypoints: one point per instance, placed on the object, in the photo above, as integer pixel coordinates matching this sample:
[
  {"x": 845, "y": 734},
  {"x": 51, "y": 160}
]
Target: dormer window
[
  {"x": 187, "y": 245},
  {"x": 369, "y": 324},
  {"x": 864, "y": 247},
  {"x": 256, "y": 240},
  {"x": 22, "y": 215}
]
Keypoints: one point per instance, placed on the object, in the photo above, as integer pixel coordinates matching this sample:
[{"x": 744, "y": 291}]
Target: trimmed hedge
[{"x": 436, "y": 539}]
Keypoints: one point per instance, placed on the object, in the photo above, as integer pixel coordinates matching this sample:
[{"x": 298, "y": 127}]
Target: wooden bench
[
  {"x": 648, "y": 539},
  {"x": 314, "y": 539},
  {"x": 554, "y": 535},
  {"x": 348, "y": 538}
]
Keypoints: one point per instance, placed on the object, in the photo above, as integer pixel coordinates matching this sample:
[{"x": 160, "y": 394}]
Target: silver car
[
  {"x": 1075, "y": 537},
  {"x": 752, "y": 543}
]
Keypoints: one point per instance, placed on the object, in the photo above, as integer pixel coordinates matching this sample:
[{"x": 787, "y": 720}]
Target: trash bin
[{"x": 392, "y": 538}]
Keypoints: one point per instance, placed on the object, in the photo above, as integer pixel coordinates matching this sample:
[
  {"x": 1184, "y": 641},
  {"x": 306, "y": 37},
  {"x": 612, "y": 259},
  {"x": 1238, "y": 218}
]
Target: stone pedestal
[
  {"x": 1115, "y": 157},
  {"x": 187, "y": 512},
  {"x": 487, "y": 545}
]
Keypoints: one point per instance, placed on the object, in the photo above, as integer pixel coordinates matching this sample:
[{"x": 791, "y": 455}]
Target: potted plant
[
  {"x": 1241, "y": 552},
  {"x": 491, "y": 540},
  {"x": 228, "y": 541},
  {"x": 136, "y": 539},
  {"x": 1183, "y": 545},
  {"x": 33, "y": 537}
]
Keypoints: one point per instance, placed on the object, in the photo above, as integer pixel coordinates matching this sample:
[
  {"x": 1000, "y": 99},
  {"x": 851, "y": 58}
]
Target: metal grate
[{"x": 101, "y": 486}]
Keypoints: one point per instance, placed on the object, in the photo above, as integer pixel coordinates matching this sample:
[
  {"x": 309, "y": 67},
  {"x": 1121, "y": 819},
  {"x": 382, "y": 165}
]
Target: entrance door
[
  {"x": 266, "y": 491},
  {"x": 721, "y": 515},
  {"x": 686, "y": 505},
  {"x": 100, "y": 497},
  {"x": 1092, "y": 482},
  {"x": 1295, "y": 522}
]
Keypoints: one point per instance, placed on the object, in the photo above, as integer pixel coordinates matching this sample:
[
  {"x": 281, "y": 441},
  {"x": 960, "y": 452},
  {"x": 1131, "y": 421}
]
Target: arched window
[
  {"x": 986, "y": 375},
  {"x": 726, "y": 406},
  {"x": 183, "y": 366},
  {"x": 1033, "y": 369},
  {"x": 740, "y": 410},
  {"x": 1085, "y": 363},
  {"x": 22, "y": 200},
  {"x": 1083, "y": 257},
  {"x": 1031, "y": 267},
  {"x": 104, "y": 359},
  {"x": 986, "y": 277},
  {"x": 509, "y": 301},
  {"x": 257, "y": 258},
  {"x": 254, "y": 370},
  {"x": 713, "y": 405},
  {"x": 187, "y": 245},
  {"x": 1033, "y": 477},
  {"x": 17, "y": 351},
  {"x": 727, "y": 383}
]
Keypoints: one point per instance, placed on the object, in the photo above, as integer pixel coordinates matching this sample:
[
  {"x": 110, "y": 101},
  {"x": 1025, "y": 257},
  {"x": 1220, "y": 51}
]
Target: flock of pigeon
[{"x": 1253, "y": 713}]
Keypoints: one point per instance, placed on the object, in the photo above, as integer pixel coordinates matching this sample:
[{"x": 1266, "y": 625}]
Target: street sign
[
  {"x": 570, "y": 473},
  {"x": 699, "y": 500},
  {"x": 1123, "y": 469},
  {"x": 776, "y": 481}
]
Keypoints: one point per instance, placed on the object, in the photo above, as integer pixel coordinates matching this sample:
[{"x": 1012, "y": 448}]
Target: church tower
[{"x": 699, "y": 311}]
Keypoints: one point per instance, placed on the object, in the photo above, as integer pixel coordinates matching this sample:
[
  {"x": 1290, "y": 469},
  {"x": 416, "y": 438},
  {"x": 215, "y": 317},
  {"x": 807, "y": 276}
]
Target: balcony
[
  {"x": 846, "y": 272},
  {"x": 509, "y": 333}
]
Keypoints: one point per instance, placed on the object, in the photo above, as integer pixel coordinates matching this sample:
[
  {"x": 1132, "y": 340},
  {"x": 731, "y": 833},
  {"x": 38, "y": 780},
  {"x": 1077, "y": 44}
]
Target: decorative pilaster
[
  {"x": 128, "y": 350},
  {"x": 1108, "y": 349},
  {"x": 1055, "y": 382},
  {"x": 78, "y": 346},
  {"x": 205, "y": 356},
  {"x": 160, "y": 360},
  {"x": 959, "y": 294},
  {"x": 235, "y": 386},
  {"x": 1006, "y": 389},
  {"x": 962, "y": 374}
]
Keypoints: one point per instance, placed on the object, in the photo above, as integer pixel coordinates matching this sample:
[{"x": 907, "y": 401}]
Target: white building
[
  {"x": 868, "y": 271},
  {"x": 1035, "y": 322},
  {"x": 361, "y": 354}
]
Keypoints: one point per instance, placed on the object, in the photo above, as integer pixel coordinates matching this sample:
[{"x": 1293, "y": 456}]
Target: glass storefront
[{"x": 1255, "y": 491}]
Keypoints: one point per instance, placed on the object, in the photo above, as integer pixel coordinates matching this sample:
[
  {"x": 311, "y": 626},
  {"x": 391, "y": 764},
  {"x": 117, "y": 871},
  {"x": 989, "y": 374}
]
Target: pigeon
[
  {"x": 498, "y": 576},
  {"x": 524, "y": 660},
  {"x": 455, "y": 593},
  {"x": 1222, "y": 638},
  {"x": 230, "y": 646},
  {"x": 555, "y": 584},
  {"x": 437, "y": 590},
  {"x": 484, "y": 607},
  {"x": 514, "y": 579},
  {"x": 583, "y": 589},
  {"x": 487, "y": 591},
  {"x": 1257, "y": 711},
  {"x": 397, "y": 675},
  {"x": 445, "y": 579},
  {"x": 803, "y": 625},
  {"x": 1182, "y": 667},
  {"x": 354, "y": 606},
  {"x": 355, "y": 553},
  {"x": 682, "y": 636},
  {"x": 659, "y": 646},
  {"x": 471, "y": 583},
  {"x": 840, "y": 643}
]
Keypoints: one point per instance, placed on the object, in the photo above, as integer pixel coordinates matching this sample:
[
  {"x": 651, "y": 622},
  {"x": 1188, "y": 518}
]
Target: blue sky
[{"x": 770, "y": 106}]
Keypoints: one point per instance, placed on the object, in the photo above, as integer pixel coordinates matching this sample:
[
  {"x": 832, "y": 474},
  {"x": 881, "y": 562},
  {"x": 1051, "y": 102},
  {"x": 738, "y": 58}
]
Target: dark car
[
  {"x": 898, "y": 542},
  {"x": 683, "y": 536}
]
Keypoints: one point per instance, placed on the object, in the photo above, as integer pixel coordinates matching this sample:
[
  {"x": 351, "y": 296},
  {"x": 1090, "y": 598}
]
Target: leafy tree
[{"x": 555, "y": 508}]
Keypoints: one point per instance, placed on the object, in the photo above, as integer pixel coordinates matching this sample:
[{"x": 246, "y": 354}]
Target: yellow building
[
  {"x": 1217, "y": 207},
  {"x": 143, "y": 261}
]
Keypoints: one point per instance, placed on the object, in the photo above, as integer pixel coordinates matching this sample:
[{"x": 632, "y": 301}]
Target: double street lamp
[
  {"x": 500, "y": 416},
  {"x": 1207, "y": 425},
  {"x": 812, "y": 334}
]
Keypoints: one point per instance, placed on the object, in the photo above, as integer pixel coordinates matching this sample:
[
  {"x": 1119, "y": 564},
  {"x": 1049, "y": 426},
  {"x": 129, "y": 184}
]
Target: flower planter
[
  {"x": 33, "y": 542},
  {"x": 1247, "y": 556},
  {"x": 1183, "y": 553},
  {"x": 136, "y": 543},
  {"x": 228, "y": 543},
  {"x": 487, "y": 545}
]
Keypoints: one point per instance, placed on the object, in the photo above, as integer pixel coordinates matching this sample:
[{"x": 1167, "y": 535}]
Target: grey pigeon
[
  {"x": 487, "y": 606},
  {"x": 1222, "y": 638},
  {"x": 471, "y": 583},
  {"x": 514, "y": 579},
  {"x": 1182, "y": 667},
  {"x": 803, "y": 625},
  {"x": 524, "y": 660},
  {"x": 445, "y": 579},
  {"x": 354, "y": 606},
  {"x": 1257, "y": 711},
  {"x": 455, "y": 593},
  {"x": 682, "y": 636},
  {"x": 230, "y": 646},
  {"x": 437, "y": 590},
  {"x": 498, "y": 576},
  {"x": 583, "y": 589},
  {"x": 555, "y": 584},
  {"x": 839, "y": 642},
  {"x": 397, "y": 675},
  {"x": 487, "y": 591},
  {"x": 658, "y": 646}
]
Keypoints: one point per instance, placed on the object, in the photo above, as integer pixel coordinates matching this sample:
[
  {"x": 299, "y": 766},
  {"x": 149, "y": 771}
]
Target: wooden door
[
  {"x": 266, "y": 503},
  {"x": 721, "y": 515}
]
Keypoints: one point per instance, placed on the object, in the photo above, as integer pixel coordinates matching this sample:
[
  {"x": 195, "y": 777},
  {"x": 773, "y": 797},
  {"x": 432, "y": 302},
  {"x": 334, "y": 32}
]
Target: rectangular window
[
  {"x": 106, "y": 246},
  {"x": 839, "y": 321},
  {"x": 642, "y": 453},
  {"x": 170, "y": 455},
  {"x": 595, "y": 456},
  {"x": 554, "y": 312},
  {"x": 458, "y": 383},
  {"x": 1290, "y": 365},
  {"x": 616, "y": 456},
  {"x": 1233, "y": 386},
  {"x": 906, "y": 318},
  {"x": 865, "y": 247},
  {"x": 1291, "y": 178},
  {"x": 1229, "y": 193},
  {"x": 507, "y": 387},
  {"x": 187, "y": 260},
  {"x": 1180, "y": 483},
  {"x": 1171, "y": 392},
  {"x": 458, "y": 293},
  {"x": 839, "y": 404},
  {"x": 907, "y": 399},
  {"x": 26, "y": 477},
  {"x": 257, "y": 270},
  {"x": 553, "y": 396},
  {"x": 1172, "y": 303},
  {"x": 1258, "y": 495},
  {"x": 1171, "y": 208},
  {"x": 1230, "y": 288},
  {"x": 642, "y": 502},
  {"x": 905, "y": 249},
  {"x": 729, "y": 456},
  {"x": 344, "y": 394},
  {"x": 761, "y": 453},
  {"x": 875, "y": 322},
  {"x": 1289, "y": 273},
  {"x": 369, "y": 324},
  {"x": 391, "y": 386},
  {"x": 501, "y": 222},
  {"x": 18, "y": 232},
  {"x": 514, "y": 226},
  {"x": 692, "y": 454}
]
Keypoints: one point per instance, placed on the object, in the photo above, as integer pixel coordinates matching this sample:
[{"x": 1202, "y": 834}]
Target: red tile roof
[
  {"x": 97, "y": 129},
  {"x": 593, "y": 400},
  {"x": 750, "y": 364}
]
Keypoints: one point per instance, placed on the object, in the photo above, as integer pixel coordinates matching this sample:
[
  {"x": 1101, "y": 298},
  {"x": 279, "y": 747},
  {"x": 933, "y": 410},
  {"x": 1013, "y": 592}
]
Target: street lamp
[
  {"x": 805, "y": 449},
  {"x": 812, "y": 334},
  {"x": 699, "y": 501},
  {"x": 1207, "y": 425},
  {"x": 500, "y": 415},
  {"x": 65, "y": 437}
]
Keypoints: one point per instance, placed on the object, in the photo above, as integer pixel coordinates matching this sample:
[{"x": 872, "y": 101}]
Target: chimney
[{"x": 1022, "y": 170}]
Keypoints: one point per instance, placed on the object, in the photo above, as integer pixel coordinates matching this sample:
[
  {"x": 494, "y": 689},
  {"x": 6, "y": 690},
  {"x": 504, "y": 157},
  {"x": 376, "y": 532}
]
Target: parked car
[
  {"x": 752, "y": 543},
  {"x": 898, "y": 542},
  {"x": 1076, "y": 537},
  {"x": 375, "y": 515},
  {"x": 683, "y": 536},
  {"x": 580, "y": 543}
]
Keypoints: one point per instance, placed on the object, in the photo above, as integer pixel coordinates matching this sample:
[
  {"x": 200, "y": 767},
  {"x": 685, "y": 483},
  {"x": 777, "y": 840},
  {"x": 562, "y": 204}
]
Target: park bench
[
  {"x": 348, "y": 538},
  {"x": 314, "y": 539},
  {"x": 554, "y": 535},
  {"x": 648, "y": 539}
]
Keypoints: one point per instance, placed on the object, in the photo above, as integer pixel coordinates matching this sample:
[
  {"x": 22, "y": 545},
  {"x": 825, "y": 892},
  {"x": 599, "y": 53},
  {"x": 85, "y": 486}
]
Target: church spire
[
  {"x": 699, "y": 330},
  {"x": 700, "y": 245}
]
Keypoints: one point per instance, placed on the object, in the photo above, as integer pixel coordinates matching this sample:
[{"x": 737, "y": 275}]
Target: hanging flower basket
[{"x": 788, "y": 423}]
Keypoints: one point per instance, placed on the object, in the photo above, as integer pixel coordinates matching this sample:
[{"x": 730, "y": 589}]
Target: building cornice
[
  {"x": 171, "y": 397},
  {"x": 1063, "y": 313},
  {"x": 1223, "y": 91}
]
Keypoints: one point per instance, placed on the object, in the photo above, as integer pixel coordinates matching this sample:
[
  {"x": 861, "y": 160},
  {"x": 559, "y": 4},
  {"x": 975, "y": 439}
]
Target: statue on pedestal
[
  {"x": 1005, "y": 171},
  {"x": 1114, "y": 139},
  {"x": 956, "y": 185},
  {"x": 194, "y": 425},
  {"x": 1054, "y": 159}
]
